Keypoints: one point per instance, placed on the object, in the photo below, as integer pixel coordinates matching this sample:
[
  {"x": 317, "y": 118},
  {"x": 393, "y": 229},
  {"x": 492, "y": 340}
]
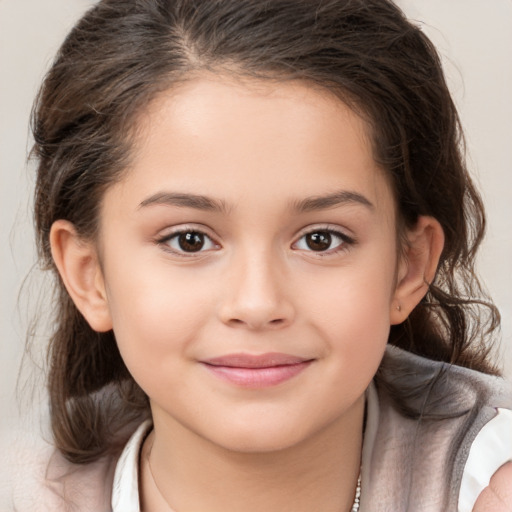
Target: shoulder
[
  {"x": 497, "y": 496},
  {"x": 25, "y": 458},
  {"x": 488, "y": 466},
  {"x": 34, "y": 477},
  {"x": 441, "y": 413},
  {"x": 438, "y": 390}
]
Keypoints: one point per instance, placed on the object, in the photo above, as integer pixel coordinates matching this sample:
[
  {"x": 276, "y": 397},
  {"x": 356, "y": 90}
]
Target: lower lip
[{"x": 258, "y": 377}]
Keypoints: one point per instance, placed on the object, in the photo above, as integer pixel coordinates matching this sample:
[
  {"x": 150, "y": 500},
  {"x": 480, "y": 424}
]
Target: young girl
[{"x": 264, "y": 236}]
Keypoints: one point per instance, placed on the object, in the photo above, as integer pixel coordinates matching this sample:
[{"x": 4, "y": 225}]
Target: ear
[
  {"x": 77, "y": 262},
  {"x": 417, "y": 267}
]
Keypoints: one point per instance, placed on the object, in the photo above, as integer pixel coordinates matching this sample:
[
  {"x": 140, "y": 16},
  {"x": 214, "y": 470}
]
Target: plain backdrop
[{"x": 474, "y": 38}]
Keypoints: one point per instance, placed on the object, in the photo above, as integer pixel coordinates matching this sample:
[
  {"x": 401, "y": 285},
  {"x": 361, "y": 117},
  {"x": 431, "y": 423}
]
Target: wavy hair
[{"x": 122, "y": 53}]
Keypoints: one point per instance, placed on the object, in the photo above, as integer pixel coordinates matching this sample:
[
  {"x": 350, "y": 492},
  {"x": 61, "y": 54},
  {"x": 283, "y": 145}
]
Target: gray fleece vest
[{"x": 418, "y": 438}]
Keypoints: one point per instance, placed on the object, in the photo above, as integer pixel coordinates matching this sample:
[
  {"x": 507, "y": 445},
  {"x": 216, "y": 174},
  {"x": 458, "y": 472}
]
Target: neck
[{"x": 320, "y": 473}]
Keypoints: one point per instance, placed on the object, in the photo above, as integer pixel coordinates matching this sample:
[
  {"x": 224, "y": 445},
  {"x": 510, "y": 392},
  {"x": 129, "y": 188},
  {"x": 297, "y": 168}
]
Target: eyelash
[
  {"x": 345, "y": 241},
  {"x": 165, "y": 241}
]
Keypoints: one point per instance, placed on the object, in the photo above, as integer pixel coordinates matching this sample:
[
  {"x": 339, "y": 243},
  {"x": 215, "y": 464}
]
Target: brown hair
[{"x": 123, "y": 52}]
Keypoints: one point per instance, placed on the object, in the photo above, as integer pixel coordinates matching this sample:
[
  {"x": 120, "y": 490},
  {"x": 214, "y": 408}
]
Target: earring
[{"x": 399, "y": 308}]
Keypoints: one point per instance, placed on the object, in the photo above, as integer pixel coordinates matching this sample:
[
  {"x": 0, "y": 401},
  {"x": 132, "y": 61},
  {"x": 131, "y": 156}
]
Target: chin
[
  {"x": 258, "y": 444},
  {"x": 260, "y": 439}
]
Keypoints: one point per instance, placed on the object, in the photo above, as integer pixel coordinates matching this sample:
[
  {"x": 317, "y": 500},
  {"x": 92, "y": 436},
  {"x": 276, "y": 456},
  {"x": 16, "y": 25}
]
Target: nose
[{"x": 256, "y": 295}]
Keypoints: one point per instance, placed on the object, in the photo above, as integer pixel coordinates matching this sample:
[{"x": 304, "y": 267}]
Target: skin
[
  {"x": 262, "y": 155},
  {"x": 497, "y": 496}
]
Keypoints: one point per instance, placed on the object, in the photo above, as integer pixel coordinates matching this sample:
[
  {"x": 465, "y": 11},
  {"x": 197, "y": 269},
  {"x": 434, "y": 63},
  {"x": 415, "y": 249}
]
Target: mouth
[{"x": 256, "y": 371}]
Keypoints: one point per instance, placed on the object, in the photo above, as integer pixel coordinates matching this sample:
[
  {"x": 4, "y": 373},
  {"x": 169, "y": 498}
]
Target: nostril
[{"x": 277, "y": 322}]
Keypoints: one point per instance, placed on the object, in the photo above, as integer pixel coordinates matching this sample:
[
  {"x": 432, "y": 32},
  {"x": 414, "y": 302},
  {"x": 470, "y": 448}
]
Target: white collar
[{"x": 125, "y": 491}]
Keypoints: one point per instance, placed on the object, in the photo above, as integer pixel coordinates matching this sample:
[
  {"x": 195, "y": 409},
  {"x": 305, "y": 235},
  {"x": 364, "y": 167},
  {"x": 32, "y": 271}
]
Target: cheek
[
  {"x": 351, "y": 311},
  {"x": 155, "y": 316},
  {"x": 356, "y": 297}
]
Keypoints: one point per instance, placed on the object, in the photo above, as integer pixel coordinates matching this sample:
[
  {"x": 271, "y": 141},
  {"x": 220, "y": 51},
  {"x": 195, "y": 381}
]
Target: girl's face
[{"x": 249, "y": 262}]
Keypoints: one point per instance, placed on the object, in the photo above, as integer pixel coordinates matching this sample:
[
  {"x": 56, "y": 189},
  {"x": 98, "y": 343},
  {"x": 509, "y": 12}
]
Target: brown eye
[
  {"x": 327, "y": 241},
  {"x": 319, "y": 241},
  {"x": 191, "y": 242}
]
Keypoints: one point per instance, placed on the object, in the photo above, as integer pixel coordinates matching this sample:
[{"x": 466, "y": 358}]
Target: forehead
[{"x": 245, "y": 139}]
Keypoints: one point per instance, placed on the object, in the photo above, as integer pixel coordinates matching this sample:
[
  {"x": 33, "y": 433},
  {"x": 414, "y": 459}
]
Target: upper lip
[{"x": 267, "y": 360}]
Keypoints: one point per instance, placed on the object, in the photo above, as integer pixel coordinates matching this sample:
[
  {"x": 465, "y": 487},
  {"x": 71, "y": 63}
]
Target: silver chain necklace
[{"x": 355, "y": 506}]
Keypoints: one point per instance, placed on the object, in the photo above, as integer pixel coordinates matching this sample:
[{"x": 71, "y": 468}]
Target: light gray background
[{"x": 473, "y": 36}]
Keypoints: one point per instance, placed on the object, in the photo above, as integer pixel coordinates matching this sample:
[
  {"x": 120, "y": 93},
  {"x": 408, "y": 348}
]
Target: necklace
[{"x": 355, "y": 506}]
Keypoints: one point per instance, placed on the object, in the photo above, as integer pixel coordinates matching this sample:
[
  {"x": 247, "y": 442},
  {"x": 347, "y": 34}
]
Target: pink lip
[{"x": 256, "y": 371}]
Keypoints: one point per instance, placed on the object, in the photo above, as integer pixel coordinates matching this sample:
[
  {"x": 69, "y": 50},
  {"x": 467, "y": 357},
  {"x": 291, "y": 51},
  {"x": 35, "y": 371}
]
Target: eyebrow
[
  {"x": 198, "y": 202},
  {"x": 205, "y": 203},
  {"x": 331, "y": 200}
]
